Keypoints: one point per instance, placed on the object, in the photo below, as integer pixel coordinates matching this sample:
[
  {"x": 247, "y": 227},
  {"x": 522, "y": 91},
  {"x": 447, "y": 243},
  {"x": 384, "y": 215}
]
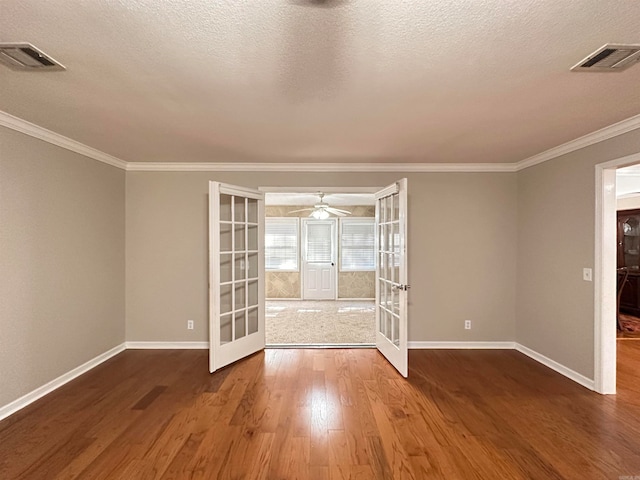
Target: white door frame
[
  {"x": 605, "y": 281},
  {"x": 334, "y": 250}
]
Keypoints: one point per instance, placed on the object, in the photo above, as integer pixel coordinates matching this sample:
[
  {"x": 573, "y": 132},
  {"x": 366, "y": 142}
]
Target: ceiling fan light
[{"x": 320, "y": 214}]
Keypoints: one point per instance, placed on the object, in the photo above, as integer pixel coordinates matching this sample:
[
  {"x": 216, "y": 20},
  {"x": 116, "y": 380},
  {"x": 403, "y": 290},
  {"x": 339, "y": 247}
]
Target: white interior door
[
  {"x": 391, "y": 275},
  {"x": 319, "y": 259},
  {"x": 236, "y": 273}
]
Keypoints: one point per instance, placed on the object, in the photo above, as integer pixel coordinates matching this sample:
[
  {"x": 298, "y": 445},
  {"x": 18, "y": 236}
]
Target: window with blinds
[
  {"x": 319, "y": 242},
  {"x": 281, "y": 244},
  {"x": 357, "y": 244}
]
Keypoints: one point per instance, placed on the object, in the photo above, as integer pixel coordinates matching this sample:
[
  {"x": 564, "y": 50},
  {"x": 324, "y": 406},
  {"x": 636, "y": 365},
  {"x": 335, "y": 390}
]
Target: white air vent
[
  {"x": 24, "y": 56},
  {"x": 609, "y": 58}
]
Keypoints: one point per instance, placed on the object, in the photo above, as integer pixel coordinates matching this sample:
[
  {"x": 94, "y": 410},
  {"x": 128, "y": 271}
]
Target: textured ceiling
[{"x": 351, "y": 80}]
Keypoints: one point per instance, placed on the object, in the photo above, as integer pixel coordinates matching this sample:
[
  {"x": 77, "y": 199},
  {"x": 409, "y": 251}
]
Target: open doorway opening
[
  {"x": 613, "y": 268},
  {"x": 628, "y": 280},
  {"x": 320, "y": 268},
  {"x": 628, "y": 251},
  {"x": 237, "y": 273}
]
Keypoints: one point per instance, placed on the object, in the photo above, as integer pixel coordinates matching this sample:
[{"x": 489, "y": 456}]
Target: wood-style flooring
[
  {"x": 624, "y": 333},
  {"x": 319, "y": 414}
]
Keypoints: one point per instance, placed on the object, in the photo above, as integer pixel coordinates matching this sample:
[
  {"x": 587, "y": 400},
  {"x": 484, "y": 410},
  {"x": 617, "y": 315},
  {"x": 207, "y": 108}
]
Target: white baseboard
[
  {"x": 321, "y": 346},
  {"x": 298, "y": 299},
  {"x": 166, "y": 345},
  {"x": 538, "y": 357},
  {"x": 462, "y": 345},
  {"x": 355, "y": 299},
  {"x": 558, "y": 367},
  {"x": 39, "y": 392},
  {"x": 56, "y": 383}
]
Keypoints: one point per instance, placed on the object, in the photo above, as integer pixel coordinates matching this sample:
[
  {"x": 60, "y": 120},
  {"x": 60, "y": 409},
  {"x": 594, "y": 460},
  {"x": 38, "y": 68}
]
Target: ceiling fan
[{"x": 322, "y": 210}]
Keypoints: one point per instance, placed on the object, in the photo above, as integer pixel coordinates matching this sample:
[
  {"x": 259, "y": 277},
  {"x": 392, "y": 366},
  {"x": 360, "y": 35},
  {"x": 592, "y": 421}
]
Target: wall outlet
[
  {"x": 467, "y": 324},
  {"x": 189, "y": 324},
  {"x": 587, "y": 274}
]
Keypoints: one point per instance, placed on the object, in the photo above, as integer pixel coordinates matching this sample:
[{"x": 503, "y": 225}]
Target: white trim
[
  {"x": 56, "y": 383},
  {"x": 604, "y": 287},
  {"x": 320, "y": 345},
  {"x": 355, "y": 299},
  {"x": 35, "y": 131},
  {"x": 339, "y": 299},
  {"x": 319, "y": 167},
  {"x": 28, "y": 128},
  {"x": 167, "y": 345},
  {"x": 605, "y": 263},
  {"x": 315, "y": 190},
  {"x": 461, "y": 345},
  {"x": 552, "y": 364},
  {"x": 558, "y": 367},
  {"x": 592, "y": 138}
]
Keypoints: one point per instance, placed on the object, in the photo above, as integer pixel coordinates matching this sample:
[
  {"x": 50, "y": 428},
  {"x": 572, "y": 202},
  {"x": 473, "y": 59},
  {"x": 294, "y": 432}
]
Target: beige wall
[
  {"x": 282, "y": 285},
  {"x": 62, "y": 262},
  {"x": 356, "y": 284},
  {"x": 462, "y": 240},
  {"x": 556, "y": 214},
  {"x": 62, "y": 254}
]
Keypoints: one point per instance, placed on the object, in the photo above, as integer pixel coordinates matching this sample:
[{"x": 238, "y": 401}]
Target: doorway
[
  {"x": 238, "y": 243},
  {"x": 320, "y": 278},
  {"x": 606, "y": 281}
]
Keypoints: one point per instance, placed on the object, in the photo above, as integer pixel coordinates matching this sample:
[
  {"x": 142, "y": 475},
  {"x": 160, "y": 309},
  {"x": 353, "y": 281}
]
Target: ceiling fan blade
[
  {"x": 302, "y": 210},
  {"x": 337, "y": 211}
]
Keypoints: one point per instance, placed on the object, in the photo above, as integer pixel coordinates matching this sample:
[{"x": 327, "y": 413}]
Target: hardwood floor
[
  {"x": 628, "y": 320},
  {"x": 318, "y": 414}
]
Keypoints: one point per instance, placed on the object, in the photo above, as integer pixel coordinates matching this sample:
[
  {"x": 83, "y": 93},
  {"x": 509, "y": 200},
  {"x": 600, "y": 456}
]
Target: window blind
[
  {"x": 281, "y": 244},
  {"x": 319, "y": 242},
  {"x": 357, "y": 245}
]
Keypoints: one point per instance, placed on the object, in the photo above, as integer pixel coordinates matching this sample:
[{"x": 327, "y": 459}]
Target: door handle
[{"x": 333, "y": 264}]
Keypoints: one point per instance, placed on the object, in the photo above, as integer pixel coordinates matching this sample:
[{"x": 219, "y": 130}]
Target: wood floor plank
[{"x": 327, "y": 414}]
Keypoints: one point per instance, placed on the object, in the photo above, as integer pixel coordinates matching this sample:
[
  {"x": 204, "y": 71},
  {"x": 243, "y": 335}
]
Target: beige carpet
[{"x": 320, "y": 322}]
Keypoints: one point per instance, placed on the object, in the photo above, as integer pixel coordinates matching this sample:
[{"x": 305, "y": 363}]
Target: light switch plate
[{"x": 587, "y": 274}]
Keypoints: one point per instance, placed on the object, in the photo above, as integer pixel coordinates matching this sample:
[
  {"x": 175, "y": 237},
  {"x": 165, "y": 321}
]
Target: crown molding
[
  {"x": 319, "y": 167},
  {"x": 28, "y": 128},
  {"x": 606, "y": 133}
]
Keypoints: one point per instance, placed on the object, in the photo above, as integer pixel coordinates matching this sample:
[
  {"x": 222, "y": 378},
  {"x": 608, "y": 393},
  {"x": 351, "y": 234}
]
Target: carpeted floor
[{"x": 320, "y": 322}]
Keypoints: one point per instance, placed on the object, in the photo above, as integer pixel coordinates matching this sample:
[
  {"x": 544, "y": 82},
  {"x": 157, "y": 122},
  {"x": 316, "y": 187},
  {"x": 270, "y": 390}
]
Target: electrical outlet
[
  {"x": 467, "y": 324},
  {"x": 587, "y": 274},
  {"x": 189, "y": 324}
]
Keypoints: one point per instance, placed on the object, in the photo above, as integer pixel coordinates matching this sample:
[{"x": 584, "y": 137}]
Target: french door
[
  {"x": 236, "y": 273},
  {"x": 391, "y": 275}
]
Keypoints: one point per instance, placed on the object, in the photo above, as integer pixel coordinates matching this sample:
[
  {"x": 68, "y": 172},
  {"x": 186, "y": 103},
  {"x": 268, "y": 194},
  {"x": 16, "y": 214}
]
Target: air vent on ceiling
[
  {"x": 24, "y": 56},
  {"x": 609, "y": 58}
]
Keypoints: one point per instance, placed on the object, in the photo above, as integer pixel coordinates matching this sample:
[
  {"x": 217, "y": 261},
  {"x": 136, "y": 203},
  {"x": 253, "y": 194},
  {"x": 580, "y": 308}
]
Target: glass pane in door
[
  {"x": 319, "y": 243},
  {"x": 388, "y": 268},
  {"x": 391, "y": 271},
  {"x": 236, "y": 232}
]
